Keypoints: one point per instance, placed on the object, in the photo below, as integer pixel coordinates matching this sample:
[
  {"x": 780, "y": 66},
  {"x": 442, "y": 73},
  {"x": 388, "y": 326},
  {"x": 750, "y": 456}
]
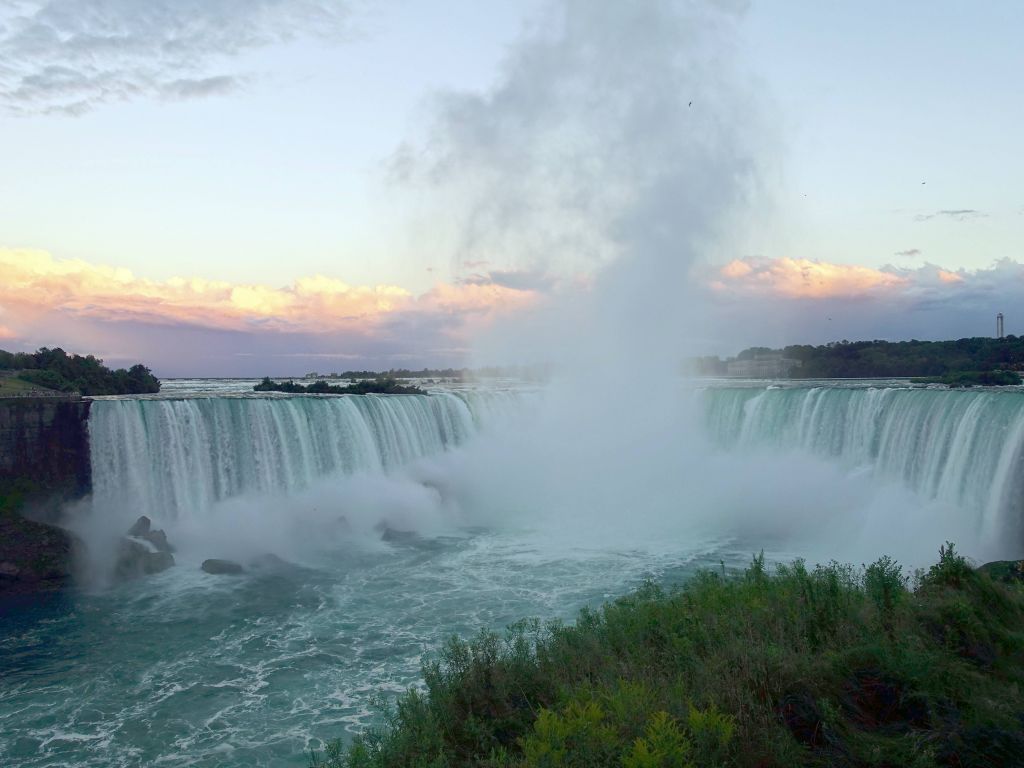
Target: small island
[{"x": 382, "y": 385}]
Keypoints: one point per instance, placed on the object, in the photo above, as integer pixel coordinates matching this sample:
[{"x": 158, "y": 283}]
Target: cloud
[
  {"x": 804, "y": 278},
  {"x": 909, "y": 253},
  {"x": 788, "y": 301},
  {"x": 70, "y": 56},
  {"x": 58, "y": 294},
  {"x": 187, "y": 88},
  {"x": 954, "y": 214},
  {"x": 191, "y": 326}
]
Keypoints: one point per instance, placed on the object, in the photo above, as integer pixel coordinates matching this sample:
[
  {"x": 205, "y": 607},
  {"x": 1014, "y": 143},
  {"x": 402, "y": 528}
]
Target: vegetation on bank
[
  {"x": 972, "y": 379},
  {"x": 407, "y": 373},
  {"x": 383, "y": 385},
  {"x": 56, "y": 370},
  {"x": 535, "y": 372},
  {"x": 884, "y": 359},
  {"x": 13, "y": 386},
  {"x": 833, "y": 666}
]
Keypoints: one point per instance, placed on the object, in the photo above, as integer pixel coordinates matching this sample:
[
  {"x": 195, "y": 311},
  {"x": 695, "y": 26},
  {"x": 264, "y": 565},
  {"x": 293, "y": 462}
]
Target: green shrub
[
  {"x": 951, "y": 570},
  {"x": 885, "y": 585},
  {"x": 663, "y": 745},
  {"x": 768, "y": 670}
]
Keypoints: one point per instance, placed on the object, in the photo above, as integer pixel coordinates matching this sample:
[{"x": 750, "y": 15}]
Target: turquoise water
[{"x": 187, "y": 669}]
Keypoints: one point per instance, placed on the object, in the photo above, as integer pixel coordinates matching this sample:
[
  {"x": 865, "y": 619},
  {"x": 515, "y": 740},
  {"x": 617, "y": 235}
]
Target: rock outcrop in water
[
  {"x": 222, "y": 567},
  {"x": 143, "y": 529},
  {"x": 142, "y": 552},
  {"x": 135, "y": 558}
]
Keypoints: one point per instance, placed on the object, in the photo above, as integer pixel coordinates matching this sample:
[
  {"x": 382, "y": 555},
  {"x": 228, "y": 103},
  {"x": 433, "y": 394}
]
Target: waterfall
[
  {"x": 168, "y": 458},
  {"x": 963, "y": 447}
]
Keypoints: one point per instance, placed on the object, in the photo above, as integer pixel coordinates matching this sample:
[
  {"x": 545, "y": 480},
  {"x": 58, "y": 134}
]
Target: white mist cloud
[{"x": 615, "y": 147}]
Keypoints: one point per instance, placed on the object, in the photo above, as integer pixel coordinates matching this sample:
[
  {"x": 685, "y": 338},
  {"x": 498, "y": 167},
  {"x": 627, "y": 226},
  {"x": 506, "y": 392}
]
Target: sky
[{"x": 242, "y": 187}]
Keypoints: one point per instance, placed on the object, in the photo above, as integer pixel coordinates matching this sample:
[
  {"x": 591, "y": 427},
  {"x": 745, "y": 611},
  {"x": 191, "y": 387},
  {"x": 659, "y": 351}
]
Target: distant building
[
  {"x": 313, "y": 375},
  {"x": 999, "y": 326},
  {"x": 763, "y": 366}
]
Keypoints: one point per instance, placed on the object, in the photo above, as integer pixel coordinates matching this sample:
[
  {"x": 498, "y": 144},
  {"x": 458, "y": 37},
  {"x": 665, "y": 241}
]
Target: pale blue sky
[
  {"x": 876, "y": 97},
  {"x": 287, "y": 176}
]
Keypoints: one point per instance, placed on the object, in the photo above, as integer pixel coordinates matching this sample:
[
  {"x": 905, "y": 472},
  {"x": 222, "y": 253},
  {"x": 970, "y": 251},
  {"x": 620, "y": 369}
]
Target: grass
[
  {"x": 831, "y": 666},
  {"x": 12, "y": 385}
]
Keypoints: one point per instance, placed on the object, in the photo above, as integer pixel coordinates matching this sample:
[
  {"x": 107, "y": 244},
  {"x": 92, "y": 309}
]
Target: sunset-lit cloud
[
  {"x": 949, "y": 277},
  {"x": 786, "y": 301},
  {"x": 35, "y": 280},
  {"x": 805, "y": 278},
  {"x": 34, "y": 285},
  {"x": 194, "y": 326}
]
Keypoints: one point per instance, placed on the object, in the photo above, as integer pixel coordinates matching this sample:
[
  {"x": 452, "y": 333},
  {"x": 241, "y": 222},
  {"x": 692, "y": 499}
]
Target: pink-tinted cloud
[
  {"x": 34, "y": 280},
  {"x": 805, "y": 278},
  {"x": 788, "y": 301},
  {"x": 95, "y": 307},
  {"x": 191, "y": 326},
  {"x": 949, "y": 277}
]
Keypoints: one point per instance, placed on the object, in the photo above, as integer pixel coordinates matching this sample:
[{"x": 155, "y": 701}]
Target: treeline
[
  {"x": 406, "y": 373},
  {"x": 535, "y": 372},
  {"x": 56, "y": 369},
  {"x": 382, "y": 385},
  {"x": 882, "y": 359}
]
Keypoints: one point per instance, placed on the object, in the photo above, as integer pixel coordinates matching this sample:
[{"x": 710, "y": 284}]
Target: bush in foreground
[{"x": 834, "y": 666}]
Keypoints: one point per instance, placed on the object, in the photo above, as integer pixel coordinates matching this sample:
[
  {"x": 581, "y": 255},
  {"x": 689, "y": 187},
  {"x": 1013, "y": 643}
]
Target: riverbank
[{"x": 833, "y": 666}]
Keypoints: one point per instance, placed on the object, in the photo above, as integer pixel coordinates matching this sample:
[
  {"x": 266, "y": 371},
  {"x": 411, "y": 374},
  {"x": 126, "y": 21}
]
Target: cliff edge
[{"x": 44, "y": 462}]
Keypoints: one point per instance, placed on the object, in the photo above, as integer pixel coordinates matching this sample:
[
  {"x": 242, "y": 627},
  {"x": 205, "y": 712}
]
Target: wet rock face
[
  {"x": 34, "y": 556},
  {"x": 143, "y": 529},
  {"x": 135, "y": 558},
  {"x": 44, "y": 461},
  {"x": 142, "y": 552},
  {"x": 46, "y": 441}
]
